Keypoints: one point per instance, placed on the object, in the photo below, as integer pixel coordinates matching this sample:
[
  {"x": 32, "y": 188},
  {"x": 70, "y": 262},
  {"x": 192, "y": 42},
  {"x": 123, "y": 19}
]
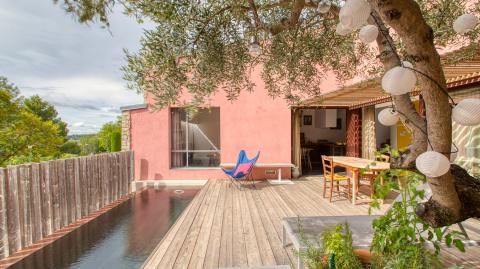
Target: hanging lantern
[
  {"x": 255, "y": 49},
  {"x": 432, "y": 164},
  {"x": 354, "y": 14},
  {"x": 399, "y": 80},
  {"x": 388, "y": 117},
  {"x": 324, "y": 6},
  {"x": 342, "y": 30},
  {"x": 465, "y": 23},
  {"x": 368, "y": 33},
  {"x": 467, "y": 112}
]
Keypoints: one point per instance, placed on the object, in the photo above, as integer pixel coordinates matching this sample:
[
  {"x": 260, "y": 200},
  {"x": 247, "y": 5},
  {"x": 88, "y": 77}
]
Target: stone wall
[{"x": 126, "y": 123}]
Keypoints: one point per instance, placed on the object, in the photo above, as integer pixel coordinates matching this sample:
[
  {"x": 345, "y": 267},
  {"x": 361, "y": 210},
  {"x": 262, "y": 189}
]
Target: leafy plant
[
  {"x": 334, "y": 251},
  {"x": 400, "y": 236}
]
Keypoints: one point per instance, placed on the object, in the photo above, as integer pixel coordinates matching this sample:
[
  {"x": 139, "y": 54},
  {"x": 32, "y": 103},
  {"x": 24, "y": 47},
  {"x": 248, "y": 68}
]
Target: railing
[{"x": 40, "y": 198}]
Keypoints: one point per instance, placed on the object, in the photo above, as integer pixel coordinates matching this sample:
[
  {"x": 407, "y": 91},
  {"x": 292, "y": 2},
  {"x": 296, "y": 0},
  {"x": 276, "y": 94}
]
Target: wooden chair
[
  {"x": 330, "y": 175},
  {"x": 306, "y": 157},
  {"x": 371, "y": 175}
]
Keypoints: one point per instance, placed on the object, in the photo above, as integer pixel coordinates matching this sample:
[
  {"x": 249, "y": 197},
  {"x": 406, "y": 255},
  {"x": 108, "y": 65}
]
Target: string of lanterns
[{"x": 402, "y": 79}]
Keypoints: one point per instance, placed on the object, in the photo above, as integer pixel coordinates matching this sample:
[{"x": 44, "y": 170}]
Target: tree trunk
[{"x": 405, "y": 17}]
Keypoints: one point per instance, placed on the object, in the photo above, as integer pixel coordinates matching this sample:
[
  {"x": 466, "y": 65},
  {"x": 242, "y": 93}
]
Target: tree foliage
[
  {"x": 203, "y": 46},
  {"x": 46, "y": 112},
  {"x": 106, "y": 133},
  {"x": 24, "y": 136}
]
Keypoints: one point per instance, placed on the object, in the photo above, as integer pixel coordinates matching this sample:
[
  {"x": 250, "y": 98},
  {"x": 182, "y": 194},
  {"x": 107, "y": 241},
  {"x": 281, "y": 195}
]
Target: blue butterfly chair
[{"x": 243, "y": 169}]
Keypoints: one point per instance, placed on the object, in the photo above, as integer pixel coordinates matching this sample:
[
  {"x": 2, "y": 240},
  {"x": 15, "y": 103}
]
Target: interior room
[{"x": 322, "y": 132}]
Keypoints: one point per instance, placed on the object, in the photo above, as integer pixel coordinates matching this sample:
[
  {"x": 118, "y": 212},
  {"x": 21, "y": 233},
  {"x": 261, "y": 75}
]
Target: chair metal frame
[{"x": 246, "y": 177}]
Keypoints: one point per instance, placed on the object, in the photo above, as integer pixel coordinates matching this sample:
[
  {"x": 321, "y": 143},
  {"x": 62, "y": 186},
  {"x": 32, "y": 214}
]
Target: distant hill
[{"x": 77, "y": 136}]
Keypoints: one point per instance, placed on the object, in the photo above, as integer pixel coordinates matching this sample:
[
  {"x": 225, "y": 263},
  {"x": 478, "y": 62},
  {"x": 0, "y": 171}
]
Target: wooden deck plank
[
  {"x": 229, "y": 227},
  {"x": 239, "y": 251},
  {"x": 213, "y": 249},
  {"x": 186, "y": 250},
  {"x": 251, "y": 243},
  {"x": 201, "y": 244},
  {"x": 226, "y": 241},
  {"x": 179, "y": 229},
  {"x": 266, "y": 253}
]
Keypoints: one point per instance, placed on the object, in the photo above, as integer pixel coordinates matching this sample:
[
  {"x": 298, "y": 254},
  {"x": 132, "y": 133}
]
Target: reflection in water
[{"x": 120, "y": 238}]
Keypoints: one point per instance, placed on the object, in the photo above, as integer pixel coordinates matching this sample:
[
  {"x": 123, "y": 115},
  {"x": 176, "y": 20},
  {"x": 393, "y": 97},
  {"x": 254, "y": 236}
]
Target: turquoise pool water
[{"x": 120, "y": 238}]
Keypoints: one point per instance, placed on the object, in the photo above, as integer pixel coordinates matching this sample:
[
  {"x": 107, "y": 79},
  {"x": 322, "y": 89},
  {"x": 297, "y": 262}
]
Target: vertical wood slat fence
[{"x": 40, "y": 198}]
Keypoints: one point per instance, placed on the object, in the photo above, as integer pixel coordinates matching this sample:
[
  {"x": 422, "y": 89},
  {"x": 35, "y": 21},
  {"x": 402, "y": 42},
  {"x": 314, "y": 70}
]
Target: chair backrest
[
  {"x": 382, "y": 158},
  {"x": 244, "y": 165},
  {"x": 327, "y": 163}
]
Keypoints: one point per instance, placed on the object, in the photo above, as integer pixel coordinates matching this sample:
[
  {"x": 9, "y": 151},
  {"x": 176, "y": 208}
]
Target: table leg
[
  {"x": 279, "y": 174},
  {"x": 355, "y": 186}
]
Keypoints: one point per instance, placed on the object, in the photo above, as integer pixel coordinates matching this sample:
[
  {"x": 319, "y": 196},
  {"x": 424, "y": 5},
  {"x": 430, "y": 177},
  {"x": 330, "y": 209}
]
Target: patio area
[{"x": 228, "y": 227}]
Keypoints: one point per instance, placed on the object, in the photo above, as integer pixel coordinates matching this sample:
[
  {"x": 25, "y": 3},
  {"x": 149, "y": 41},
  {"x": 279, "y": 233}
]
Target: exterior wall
[{"x": 254, "y": 122}]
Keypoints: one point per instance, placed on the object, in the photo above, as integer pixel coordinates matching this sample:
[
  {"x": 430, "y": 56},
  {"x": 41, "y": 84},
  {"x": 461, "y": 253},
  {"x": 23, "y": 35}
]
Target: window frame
[{"x": 187, "y": 150}]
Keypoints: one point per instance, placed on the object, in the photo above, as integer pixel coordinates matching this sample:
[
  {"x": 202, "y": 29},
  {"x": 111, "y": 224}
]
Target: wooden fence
[{"x": 40, "y": 198}]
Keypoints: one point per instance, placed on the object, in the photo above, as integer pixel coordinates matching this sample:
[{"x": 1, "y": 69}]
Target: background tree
[
  {"x": 108, "y": 135},
  {"x": 71, "y": 147},
  {"x": 203, "y": 46},
  {"x": 90, "y": 144},
  {"x": 46, "y": 112},
  {"x": 24, "y": 136}
]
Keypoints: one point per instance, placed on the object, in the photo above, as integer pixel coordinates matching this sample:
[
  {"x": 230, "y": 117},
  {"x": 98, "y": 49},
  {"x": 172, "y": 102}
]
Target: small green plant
[
  {"x": 400, "y": 237},
  {"x": 334, "y": 252}
]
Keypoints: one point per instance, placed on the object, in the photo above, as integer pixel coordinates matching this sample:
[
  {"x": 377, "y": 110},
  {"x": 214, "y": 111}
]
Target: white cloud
[
  {"x": 78, "y": 124},
  {"x": 74, "y": 66}
]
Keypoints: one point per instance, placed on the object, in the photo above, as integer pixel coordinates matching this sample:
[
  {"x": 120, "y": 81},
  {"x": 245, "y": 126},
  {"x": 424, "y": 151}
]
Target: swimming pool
[{"x": 121, "y": 238}]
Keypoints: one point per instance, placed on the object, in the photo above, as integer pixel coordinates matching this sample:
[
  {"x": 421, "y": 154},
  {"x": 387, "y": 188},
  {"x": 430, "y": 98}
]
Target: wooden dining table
[{"x": 354, "y": 165}]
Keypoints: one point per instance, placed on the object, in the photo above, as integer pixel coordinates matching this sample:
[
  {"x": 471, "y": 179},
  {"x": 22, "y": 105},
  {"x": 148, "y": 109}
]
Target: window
[{"x": 195, "y": 140}]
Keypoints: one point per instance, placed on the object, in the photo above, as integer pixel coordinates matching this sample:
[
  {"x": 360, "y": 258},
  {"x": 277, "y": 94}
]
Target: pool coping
[{"x": 141, "y": 184}]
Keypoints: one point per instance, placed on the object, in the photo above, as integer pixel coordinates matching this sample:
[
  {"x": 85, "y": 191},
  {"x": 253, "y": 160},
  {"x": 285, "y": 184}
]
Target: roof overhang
[{"x": 461, "y": 74}]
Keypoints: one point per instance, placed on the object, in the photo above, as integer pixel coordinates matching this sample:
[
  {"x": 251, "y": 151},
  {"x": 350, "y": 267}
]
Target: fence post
[
  {"x": 38, "y": 199},
  {"x": 46, "y": 196},
  {"x": 4, "y": 250},
  {"x": 36, "y": 203}
]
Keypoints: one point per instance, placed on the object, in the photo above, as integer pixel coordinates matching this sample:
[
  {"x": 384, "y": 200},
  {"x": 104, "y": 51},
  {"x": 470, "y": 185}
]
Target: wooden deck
[{"x": 227, "y": 227}]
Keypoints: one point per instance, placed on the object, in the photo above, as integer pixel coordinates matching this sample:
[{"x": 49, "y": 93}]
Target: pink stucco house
[{"x": 168, "y": 145}]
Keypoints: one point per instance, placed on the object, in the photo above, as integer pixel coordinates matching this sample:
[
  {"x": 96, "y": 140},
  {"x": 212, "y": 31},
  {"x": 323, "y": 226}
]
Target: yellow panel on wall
[{"x": 404, "y": 137}]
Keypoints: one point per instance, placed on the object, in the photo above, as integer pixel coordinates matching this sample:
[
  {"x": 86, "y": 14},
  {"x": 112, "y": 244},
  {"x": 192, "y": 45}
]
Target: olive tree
[{"x": 201, "y": 47}]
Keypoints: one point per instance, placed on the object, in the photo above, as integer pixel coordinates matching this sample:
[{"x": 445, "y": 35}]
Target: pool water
[{"x": 121, "y": 238}]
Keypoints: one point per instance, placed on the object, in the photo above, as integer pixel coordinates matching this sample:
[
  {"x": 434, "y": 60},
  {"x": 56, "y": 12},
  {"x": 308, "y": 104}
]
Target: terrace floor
[{"x": 227, "y": 227}]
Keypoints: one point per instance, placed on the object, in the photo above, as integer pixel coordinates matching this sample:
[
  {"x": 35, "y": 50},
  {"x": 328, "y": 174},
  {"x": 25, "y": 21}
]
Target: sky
[{"x": 74, "y": 66}]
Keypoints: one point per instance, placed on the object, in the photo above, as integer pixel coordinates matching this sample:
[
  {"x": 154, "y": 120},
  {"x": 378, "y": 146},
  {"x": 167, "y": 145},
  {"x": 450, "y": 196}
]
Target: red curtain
[{"x": 354, "y": 132}]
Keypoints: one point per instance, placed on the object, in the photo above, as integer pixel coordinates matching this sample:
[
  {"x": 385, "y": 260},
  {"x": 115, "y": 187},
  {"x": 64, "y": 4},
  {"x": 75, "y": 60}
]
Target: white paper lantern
[
  {"x": 465, "y": 23},
  {"x": 255, "y": 49},
  {"x": 368, "y": 33},
  {"x": 399, "y": 80},
  {"x": 467, "y": 112},
  {"x": 342, "y": 30},
  {"x": 324, "y": 6},
  {"x": 432, "y": 164},
  {"x": 407, "y": 64},
  {"x": 388, "y": 117},
  {"x": 354, "y": 14}
]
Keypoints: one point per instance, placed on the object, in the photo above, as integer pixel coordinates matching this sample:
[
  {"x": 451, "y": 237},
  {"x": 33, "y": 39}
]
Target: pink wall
[{"x": 253, "y": 122}]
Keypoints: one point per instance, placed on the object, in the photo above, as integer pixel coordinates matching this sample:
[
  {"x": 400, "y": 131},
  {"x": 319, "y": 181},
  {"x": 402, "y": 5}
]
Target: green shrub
[{"x": 116, "y": 142}]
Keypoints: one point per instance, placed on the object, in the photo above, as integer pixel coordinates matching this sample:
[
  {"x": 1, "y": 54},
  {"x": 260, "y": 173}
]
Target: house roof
[
  {"x": 370, "y": 92},
  {"x": 132, "y": 107}
]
